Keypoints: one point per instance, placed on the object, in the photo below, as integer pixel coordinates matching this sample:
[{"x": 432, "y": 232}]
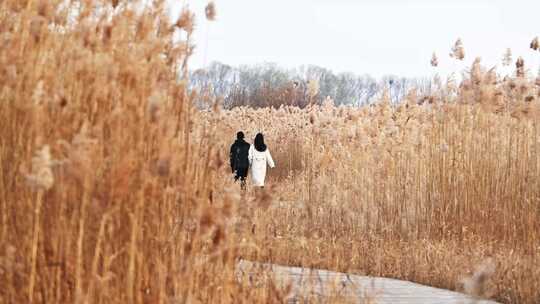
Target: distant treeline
[{"x": 270, "y": 85}]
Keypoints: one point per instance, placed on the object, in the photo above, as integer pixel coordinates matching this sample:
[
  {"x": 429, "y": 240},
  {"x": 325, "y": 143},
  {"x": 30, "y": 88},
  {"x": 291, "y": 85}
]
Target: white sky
[{"x": 377, "y": 37}]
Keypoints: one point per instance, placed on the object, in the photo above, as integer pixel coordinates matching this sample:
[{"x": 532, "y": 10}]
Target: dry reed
[
  {"x": 127, "y": 197},
  {"x": 422, "y": 191}
]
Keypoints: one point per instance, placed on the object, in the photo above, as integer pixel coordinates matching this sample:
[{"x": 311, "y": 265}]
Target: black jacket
[{"x": 239, "y": 154}]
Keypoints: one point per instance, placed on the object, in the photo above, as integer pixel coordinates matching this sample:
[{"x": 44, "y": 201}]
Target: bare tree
[{"x": 269, "y": 85}]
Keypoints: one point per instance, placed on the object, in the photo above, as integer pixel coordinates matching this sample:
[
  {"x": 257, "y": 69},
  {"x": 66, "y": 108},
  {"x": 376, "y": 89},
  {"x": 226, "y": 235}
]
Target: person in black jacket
[{"x": 239, "y": 159}]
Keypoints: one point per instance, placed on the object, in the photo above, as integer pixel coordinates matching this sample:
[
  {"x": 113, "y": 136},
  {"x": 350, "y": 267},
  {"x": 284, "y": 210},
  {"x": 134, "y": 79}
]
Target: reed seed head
[
  {"x": 41, "y": 177},
  {"x": 520, "y": 67},
  {"x": 186, "y": 21},
  {"x": 434, "y": 60},
  {"x": 458, "y": 51},
  {"x": 210, "y": 11},
  {"x": 535, "y": 44}
]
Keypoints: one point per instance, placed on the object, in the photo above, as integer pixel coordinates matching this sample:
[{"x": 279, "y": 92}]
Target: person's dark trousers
[{"x": 241, "y": 174}]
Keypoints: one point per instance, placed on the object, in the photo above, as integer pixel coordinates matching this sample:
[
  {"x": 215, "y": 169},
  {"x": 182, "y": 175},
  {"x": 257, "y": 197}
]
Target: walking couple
[{"x": 243, "y": 156}]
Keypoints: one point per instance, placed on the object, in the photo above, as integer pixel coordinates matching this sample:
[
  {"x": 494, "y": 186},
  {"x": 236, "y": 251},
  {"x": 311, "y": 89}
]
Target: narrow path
[{"x": 321, "y": 286}]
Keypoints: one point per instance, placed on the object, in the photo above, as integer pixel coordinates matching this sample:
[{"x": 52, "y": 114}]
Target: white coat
[{"x": 258, "y": 161}]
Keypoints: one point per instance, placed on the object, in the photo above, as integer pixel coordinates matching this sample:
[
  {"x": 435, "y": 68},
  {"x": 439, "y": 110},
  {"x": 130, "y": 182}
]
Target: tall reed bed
[
  {"x": 423, "y": 191},
  {"x": 106, "y": 179},
  {"x": 115, "y": 189}
]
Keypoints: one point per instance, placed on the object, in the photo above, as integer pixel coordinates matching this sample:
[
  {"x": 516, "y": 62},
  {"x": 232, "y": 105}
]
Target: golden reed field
[{"x": 114, "y": 188}]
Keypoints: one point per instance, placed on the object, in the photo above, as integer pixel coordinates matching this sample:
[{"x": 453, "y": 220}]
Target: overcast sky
[{"x": 377, "y": 37}]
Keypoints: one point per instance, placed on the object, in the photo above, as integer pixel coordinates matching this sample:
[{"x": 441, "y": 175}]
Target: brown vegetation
[
  {"x": 424, "y": 191},
  {"x": 114, "y": 188},
  {"x": 106, "y": 179}
]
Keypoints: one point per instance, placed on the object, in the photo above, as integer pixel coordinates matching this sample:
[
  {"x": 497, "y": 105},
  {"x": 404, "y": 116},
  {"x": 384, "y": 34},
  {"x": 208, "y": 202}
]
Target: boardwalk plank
[{"x": 322, "y": 285}]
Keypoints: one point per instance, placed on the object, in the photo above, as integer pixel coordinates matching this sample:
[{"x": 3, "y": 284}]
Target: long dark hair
[{"x": 259, "y": 143}]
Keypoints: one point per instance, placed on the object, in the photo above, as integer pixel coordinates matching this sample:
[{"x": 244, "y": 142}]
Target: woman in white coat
[{"x": 259, "y": 157}]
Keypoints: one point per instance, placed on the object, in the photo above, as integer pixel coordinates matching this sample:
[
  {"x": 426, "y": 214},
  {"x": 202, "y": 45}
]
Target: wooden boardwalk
[{"x": 321, "y": 286}]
